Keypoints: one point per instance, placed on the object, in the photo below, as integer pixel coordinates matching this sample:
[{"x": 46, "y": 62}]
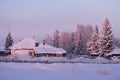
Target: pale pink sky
[{"x": 40, "y": 17}]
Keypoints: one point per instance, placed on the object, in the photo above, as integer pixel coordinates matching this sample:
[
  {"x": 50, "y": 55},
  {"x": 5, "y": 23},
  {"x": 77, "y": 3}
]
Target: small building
[
  {"x": 4, "y": 52},
  {"x": 29, "y": 47},
  {"x": 114, "y": 53}
]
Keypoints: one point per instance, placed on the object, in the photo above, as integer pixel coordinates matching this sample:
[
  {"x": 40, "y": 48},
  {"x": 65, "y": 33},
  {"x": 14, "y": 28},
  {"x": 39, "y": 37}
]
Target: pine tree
[
  {"x": 9, "y": 41},
  {"x": 106, "y": 39},
  {"x": 93, "y": 45},
  {"x": 56, "y": 38}
]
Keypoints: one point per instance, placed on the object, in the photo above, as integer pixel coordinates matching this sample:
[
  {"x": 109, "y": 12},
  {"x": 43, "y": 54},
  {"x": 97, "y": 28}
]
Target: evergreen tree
[
  {"x": 9, "y": 41},
  {"x": 106, "y": 39},
  {"x": 93, "y": 45},
  {"x": 56, "y": 37}
]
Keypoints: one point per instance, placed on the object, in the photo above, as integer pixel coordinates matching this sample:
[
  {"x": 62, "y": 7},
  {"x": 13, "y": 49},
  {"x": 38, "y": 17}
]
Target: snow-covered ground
[
  {"x": 59, "y": 71},
  {"x": 98, "y": 60}
]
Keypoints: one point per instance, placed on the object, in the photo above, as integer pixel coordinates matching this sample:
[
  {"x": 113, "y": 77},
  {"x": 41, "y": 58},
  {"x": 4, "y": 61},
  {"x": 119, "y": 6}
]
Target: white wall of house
[{"x": 22, "y": 53}]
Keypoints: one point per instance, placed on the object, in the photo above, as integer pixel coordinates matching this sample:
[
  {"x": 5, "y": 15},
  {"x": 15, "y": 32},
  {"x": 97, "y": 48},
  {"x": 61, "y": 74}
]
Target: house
[{"x": 29, "y": 47}]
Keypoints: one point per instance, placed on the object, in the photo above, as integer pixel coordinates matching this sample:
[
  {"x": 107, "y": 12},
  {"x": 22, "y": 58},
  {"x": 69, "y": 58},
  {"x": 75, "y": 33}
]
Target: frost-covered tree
[
  {"x": 48, "y": 39},
  {"x": 106, "y": 39},
  {"x": 93, "y": 44},
  {"x": 87, "y": 33},
  {"x": 65, "y": 41},
  {"x": 56, "y": 37},
  {"x": 9, "y": 41},
  {"x": 72, "y": 43},
  {"x": 79, "y": 39}
]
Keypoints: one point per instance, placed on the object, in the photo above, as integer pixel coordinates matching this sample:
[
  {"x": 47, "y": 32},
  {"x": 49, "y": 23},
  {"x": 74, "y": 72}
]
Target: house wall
[{"x": 22, "y": 52}]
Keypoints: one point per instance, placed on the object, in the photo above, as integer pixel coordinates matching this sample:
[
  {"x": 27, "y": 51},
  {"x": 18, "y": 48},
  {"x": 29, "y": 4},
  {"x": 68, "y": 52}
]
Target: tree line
[{"x": 85, "y": 39}]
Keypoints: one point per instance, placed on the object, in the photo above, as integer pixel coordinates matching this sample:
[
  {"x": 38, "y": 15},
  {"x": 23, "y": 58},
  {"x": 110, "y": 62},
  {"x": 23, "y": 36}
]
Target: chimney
[{"x": 36, "y": 44}]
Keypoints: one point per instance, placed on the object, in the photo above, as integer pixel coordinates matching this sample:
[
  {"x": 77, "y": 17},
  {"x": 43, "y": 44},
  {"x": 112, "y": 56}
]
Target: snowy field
[{"x": 59, "y": 71}]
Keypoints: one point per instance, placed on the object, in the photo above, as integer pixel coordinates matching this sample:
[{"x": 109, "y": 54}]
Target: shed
[
  {"x": 114, "y": 53},
  {"x": 4, "y": 52}
]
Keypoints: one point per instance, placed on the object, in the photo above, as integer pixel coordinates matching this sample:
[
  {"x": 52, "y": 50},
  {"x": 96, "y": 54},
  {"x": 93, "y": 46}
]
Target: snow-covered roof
[
  {"x": 27, "y": 43},
  {"x": 48, "y": 49},
  {"x": 115, "y": 51}
]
